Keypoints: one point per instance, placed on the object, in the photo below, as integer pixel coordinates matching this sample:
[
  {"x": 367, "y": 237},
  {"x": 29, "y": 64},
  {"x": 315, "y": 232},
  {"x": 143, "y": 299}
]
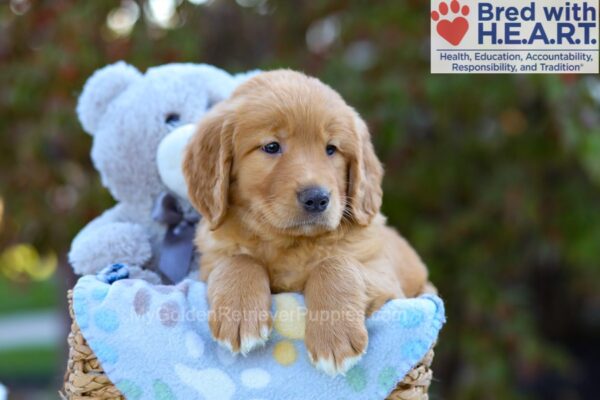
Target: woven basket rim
[{"x": 85, "y": 379}]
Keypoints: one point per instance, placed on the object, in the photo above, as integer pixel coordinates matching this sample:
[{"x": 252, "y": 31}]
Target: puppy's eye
[
  {"x": 172, "y": 118},
  {"x": 330, "y": 149},
  {"x": 272, "y": 148}
]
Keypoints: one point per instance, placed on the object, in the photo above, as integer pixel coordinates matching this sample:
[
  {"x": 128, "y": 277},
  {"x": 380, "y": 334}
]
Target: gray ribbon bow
[{"x": 177, "y": 248}]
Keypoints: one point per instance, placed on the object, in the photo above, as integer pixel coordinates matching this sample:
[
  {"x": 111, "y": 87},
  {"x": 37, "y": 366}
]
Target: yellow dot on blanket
[
  {"x": 290, "y": 316},
  {"x": 284, "y": 352}
]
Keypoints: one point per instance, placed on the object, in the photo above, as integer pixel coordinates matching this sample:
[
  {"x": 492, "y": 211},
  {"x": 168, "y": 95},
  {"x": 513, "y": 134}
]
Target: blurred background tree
[{"x": 494, "y": 179}]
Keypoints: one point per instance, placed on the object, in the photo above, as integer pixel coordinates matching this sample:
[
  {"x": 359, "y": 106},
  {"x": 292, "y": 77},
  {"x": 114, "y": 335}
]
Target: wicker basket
[{"x": 85, "y": 379}]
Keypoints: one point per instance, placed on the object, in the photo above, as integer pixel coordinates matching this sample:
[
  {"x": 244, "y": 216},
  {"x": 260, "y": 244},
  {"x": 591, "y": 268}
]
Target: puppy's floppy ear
[
  {"x": 364, "y": 178},
  {"x": 207, "y": 165}
]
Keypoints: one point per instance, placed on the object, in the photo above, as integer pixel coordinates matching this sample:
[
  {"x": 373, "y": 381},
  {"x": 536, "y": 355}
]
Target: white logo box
[{"x": 514, "y": 36}]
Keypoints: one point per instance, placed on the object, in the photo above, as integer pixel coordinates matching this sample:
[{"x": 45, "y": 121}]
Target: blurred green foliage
[
  {"x": 17, "y": 363},
  {"x": 494, "y": 179},
  {"x": 31, "y": 296}
]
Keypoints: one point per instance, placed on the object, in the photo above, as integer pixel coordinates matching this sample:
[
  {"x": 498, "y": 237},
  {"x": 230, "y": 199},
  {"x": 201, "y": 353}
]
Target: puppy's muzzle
[{"x": 314, "y": 199}]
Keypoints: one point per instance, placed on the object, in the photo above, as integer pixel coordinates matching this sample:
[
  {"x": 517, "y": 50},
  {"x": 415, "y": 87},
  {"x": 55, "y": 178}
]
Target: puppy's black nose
[{"x": 314, "y": 199}]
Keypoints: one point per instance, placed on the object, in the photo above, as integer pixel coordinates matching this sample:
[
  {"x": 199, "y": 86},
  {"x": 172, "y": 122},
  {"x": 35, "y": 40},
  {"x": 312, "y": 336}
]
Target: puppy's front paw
[
  {"x": 241, "y": 323},
  {"x": 336, "y": 347}
]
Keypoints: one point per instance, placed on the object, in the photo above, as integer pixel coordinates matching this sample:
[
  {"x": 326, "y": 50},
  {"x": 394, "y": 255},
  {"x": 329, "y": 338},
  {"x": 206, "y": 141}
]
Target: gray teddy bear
[{"x": 129, "y": 115}]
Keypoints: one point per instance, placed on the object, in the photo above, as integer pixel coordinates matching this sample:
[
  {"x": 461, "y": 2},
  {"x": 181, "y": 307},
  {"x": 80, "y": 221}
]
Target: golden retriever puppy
[{"x": 286, "y": 178}]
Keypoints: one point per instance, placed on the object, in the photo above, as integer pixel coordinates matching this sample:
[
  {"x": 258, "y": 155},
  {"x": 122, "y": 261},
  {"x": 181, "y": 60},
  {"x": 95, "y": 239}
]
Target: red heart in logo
[{"x": 453, "y": 31}]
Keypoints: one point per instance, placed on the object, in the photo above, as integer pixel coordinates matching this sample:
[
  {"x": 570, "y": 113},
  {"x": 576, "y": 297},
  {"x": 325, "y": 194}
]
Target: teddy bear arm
[{"x": 102, "y": 244}]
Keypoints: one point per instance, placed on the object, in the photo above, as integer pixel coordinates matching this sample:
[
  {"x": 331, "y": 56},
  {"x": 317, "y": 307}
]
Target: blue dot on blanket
[
  {"x": 413, "y": 349},
  {"x": 80, "y": 309},
  {"x": 411, "y": 318},
  {"x": 99, "y": 293},
  {"x": 105, "y": 353},
  {"x": 106, "y": 320}
]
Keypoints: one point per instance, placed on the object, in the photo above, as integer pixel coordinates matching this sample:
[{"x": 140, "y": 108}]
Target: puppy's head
[{"x": 288, "y": 154}]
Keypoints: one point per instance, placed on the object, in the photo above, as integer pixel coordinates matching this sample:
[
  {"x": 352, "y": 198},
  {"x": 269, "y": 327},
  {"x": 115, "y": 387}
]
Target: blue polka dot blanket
[{"x": 154, "y": 343}]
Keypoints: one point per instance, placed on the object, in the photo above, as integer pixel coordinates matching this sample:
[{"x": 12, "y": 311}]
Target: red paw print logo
[{"x": 453, "y": 30}]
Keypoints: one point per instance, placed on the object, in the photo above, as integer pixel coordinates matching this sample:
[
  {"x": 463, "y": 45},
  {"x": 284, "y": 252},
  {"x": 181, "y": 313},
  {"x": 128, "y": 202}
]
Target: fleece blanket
[{"x": 154, "y": 343}]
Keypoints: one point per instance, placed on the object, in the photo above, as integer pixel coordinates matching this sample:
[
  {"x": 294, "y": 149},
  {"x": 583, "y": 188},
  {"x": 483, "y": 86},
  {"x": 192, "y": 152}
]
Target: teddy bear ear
[{"x": 101, "y": 89}]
